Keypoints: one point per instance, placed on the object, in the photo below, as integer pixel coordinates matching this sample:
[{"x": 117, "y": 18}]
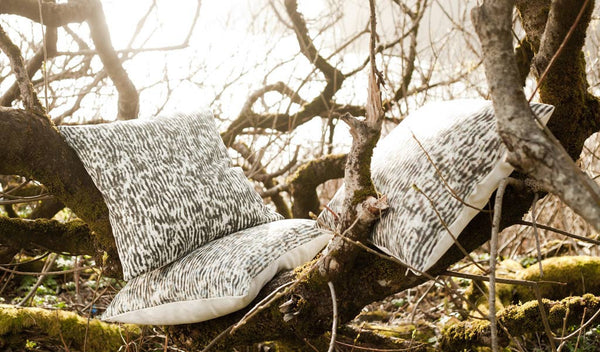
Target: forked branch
[{"x": 531, "y": 150}]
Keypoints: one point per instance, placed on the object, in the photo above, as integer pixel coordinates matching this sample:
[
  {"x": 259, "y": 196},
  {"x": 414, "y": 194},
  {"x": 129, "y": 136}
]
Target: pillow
[
  {"x": 168, "y": 186},
  {"x": 218, "y": 278},
  {"x": 460, "y": 138}
]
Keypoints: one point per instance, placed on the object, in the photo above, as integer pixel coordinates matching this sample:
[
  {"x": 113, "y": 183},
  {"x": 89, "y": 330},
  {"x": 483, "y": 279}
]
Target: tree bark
[
  {"x": 531, "y": 151},
  {"x": 33, "y": 148}
]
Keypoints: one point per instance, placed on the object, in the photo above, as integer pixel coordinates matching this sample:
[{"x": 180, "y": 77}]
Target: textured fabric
[
  {"x": 218, "y": 278},
  {"x": 461, "y": 140},
  {"x": 168, "y": 186}
]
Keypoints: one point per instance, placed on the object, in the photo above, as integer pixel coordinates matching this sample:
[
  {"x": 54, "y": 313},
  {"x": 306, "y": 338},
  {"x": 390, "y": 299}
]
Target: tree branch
[
  {"x": 30, "y": 99},
  {"x": 33, "y": 65},
  {"x": 319, "y": 106},
  {"x": 34, "y": 149},
  {"x": 307, "y": 47},
  {"x": 57, "y": 15},
  {"x": 520, "y": 320},
  {"x": 530, "y": 150},
  {"x": 54, "y": 15},
  {"x": 303, "y": 183},
  {"x": 246, "y": 153},
  {"x": 577, "y": 113},
  {"x": 73, "y": 237},
  {"x": 128, "y": 107},
  {"x": 63, "y": 327}
]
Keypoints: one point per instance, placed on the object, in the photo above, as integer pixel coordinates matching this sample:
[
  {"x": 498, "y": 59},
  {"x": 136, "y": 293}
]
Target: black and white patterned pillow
[
  {"x": 218, "y": 278},
  {"x": 168, "y": 184},
  {"x": 461, "y": 140}
]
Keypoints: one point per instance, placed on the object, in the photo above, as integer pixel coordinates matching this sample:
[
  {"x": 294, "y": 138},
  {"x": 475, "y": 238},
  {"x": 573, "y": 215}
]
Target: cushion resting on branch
[
  {"x": 438, "y": 168},
  {"x": 218, "y": 278},
  {"x": 168, "y": 184}
]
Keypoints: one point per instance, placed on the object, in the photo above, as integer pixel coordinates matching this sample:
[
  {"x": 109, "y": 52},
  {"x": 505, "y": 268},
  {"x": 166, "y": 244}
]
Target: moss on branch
[
  {"x": 66, "y": 328},
  {"x": 73, "y": 237},
  {"x": 520, "y": 320},
  {"x": 563, "y": 277}
]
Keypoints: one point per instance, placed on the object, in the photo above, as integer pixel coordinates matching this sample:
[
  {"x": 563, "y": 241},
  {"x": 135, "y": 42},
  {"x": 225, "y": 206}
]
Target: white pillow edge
[
  {"x": 502, "y": 170},
  {"x": 194, "y": 311},
  {"x": 476, "y": 199}
]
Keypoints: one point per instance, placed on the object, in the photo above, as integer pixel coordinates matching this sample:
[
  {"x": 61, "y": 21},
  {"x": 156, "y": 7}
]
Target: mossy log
[
  {"x": 578, "y": 275},
  {"x": 520, "y": 320},
  {"x": 17, "y": 325},
  {"x": 563, "y": 277}
]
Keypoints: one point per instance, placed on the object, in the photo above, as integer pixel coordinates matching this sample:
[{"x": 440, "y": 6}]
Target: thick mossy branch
[
  {"x": 579, "y": 274},
  {"x": 34, "y": 149},
  {"x": 73, "y": 237},
  {"x": 577, "y": 111},
  {"x": 563, "y": 277},
  {"x": 376, "y": 277},
  {"x": 531, "y": 150},
  {"x": 520, "y": 320},
  {"x": 303, "y": 183},
  {"x": 19, "y": 324}
]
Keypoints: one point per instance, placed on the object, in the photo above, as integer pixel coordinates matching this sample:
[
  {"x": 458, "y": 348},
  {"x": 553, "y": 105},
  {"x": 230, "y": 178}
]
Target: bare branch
[
  {"x": 57, "y": 15},
  {"x": 303, "y": 183},
  {"x": 280, "y": 87},
  {"x": 33, "y": 65},
  {"x": 28, "y": 94},
  {"x": 307, "y": 46},
  {"x": 54, "y": 15},
  {"x": 248, "y": 154},
  {"x": 128, "y": 96}
]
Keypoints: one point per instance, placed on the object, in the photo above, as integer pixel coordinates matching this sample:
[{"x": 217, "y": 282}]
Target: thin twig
[
  {"x": 500, "y": 280},
  {"x": 565, "y": 233},
  {"x": 25, "y": 199},
  {"x": 580, "y": 330},
  {"x": 41, "y": 278},
  {"x": 335, "y": 317},
  {"x": 32, "y": 273},
  {"x": 544, "y": 317},
  {"x": 413, "y": 348},
  {"x": 45, "y": 51},
  {"x": 582, "y": 327},
  {"x": 453, "y": 193},
  {"x": 493, "y": 254},
  {"x": 443, "y": 222},
  {"x": 536, "y": 234},
  {"x": 216, "y": 339},
  {"x": 265, "y": 302}
]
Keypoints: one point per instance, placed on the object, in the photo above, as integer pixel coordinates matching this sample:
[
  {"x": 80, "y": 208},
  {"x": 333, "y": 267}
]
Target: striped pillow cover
[
  {"x": 459, "y": 139},
  {"x": 218, "y": 278},
  {"x": 168, "y": 184}
]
